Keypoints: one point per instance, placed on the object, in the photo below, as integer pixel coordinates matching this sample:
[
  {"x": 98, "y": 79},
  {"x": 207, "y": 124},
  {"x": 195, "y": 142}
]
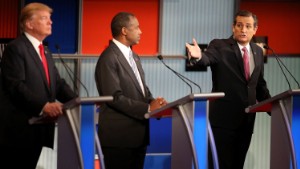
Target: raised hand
[{"x": 193, "y": 50}]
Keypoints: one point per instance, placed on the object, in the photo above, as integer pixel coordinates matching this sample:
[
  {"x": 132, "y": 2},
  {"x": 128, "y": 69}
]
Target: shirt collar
[
  {"x": 124, "y": 49},
  {"x": 36, "y": 43},
  {"x": 247, "y": 46},
  {"x": 33, "y": 40}
]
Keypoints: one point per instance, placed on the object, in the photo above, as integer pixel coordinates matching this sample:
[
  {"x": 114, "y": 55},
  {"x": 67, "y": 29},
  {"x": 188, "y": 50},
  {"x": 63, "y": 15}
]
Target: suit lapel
[
  {"x": 126, "y": 66},
  {"x": 139, "y": 66},
  {"x": 255, "y": 58},
  {"x": 36, "y": 59},
  {"x": 239, "y": 58}
]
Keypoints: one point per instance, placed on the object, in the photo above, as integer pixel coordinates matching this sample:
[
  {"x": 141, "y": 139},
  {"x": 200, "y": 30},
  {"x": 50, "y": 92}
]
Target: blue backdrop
[{"x": 65, "y": 25}]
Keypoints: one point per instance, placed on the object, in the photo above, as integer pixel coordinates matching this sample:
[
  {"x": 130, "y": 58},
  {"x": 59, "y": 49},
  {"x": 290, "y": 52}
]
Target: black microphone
[
  {"x": 279, "y": 61},
  {"x": 183, "y": 78},
  {"x": 68, "y": 69}
]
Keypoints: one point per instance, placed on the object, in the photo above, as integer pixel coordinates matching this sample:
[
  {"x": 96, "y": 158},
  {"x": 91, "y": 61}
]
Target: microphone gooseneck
[
  {"x": 183, "y": 78},
  {"x": 160, "y": 57},
  {"x": 279, "y": 61},
  {"x": 69, "y": 71}
]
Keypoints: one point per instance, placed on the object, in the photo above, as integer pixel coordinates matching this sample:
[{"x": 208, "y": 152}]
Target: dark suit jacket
[
  {"x": 25, "y": 84},
  {"x": 225, "y": 59},
  {"x": 121, "y": 122}
]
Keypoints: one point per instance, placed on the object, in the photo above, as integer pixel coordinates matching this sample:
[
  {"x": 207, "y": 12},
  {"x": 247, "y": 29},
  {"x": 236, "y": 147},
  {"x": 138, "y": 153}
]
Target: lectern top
[
  {"x": 266, "y": 105},
  {"x": 100, "y": 99},
  {"x": 183, "y": 100},
  {"x": 87, "y": 100}
]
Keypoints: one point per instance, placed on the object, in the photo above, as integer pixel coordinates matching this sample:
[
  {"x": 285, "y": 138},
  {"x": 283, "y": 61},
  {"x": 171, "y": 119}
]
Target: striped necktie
[{"x": 136, "y": 71}]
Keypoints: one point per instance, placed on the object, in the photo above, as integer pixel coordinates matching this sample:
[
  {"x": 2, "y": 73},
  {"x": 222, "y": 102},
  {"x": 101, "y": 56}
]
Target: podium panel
[
  {"x": 77, "y": 135},
  {"x": 285, "y": 127},
  {"x": 190, "y": 130},
  {"x": 296, "y": 126},
  {"x": 194, "y": 115}
]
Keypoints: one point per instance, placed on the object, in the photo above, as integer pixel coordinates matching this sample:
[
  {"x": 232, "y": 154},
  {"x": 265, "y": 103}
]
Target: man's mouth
[{"x": 243, "y": 36}]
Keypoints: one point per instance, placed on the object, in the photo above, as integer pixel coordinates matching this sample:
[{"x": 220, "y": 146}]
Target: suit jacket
[
  {"x": 225, "y": 59},
  {"x": 121, "y": 122},
  {"x": 28, "y": 91}
]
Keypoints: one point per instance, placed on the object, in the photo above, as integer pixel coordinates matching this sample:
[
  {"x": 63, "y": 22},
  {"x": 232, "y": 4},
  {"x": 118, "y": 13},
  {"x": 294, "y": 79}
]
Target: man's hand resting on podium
[
  {"x": 53, "y": 109},
  {"x": 157, "y": 103}
]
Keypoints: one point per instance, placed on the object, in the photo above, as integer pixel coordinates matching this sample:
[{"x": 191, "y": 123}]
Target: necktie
[
  {"x": 246, "y": 63},
  {"x": 135, "y": 70},
  {"x": 44, "y": 61}
]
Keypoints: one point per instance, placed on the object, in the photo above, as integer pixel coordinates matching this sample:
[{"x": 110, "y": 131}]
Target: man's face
[
  {"x": 40, "y": 25},
  {"x": 133, "y": 32},
  {"x": 244, "y": 29}
]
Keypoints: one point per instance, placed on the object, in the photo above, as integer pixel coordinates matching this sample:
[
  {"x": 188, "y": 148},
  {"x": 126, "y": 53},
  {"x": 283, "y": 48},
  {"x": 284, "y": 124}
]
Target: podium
[
  {"x": 77, "y": 133},
  {"x": 190, "y": 130},
  {"x": 285, "y": 127}
]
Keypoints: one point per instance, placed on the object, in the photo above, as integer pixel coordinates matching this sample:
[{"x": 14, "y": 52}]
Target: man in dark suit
[
  {"x": 243, "y": 84},
  {"x": 123, "y": 130},
  {"x": 32, "y": 85}
]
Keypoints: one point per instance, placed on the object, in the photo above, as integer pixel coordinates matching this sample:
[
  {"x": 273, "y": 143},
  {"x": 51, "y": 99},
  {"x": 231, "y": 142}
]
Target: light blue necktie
[{"x": 136, "y": 71}]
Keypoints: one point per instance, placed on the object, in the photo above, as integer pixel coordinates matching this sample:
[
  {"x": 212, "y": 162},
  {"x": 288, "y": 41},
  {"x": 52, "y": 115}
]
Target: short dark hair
[
  {"x": 119, "y": 21},
  {"x": 246, "y": 13}
]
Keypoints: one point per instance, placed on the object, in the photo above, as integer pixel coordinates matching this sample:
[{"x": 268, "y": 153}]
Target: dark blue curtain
[{"x": 65, "y": 25}]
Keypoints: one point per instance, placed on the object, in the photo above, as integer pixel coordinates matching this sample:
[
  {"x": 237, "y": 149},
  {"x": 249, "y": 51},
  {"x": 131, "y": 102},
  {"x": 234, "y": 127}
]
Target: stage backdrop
[{"x": 97, "y": 15}]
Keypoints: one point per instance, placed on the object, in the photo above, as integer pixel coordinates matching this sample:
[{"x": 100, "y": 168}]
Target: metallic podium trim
[{"x": 289, "y": 133}]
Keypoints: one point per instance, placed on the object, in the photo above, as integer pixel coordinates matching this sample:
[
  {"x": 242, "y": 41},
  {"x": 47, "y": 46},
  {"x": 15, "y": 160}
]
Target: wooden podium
[
  {"x": 285, "y": 127},
  {"x": 190, "y": 130},
  {"x": 77, "y": 134}
]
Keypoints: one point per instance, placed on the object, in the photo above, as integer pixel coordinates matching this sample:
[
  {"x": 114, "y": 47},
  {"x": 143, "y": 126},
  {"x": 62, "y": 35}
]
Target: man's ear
[
  {"x": 28, "y": 24},
  {"x": 124, "y": 31},
  {"x": 255, "y": 29}
]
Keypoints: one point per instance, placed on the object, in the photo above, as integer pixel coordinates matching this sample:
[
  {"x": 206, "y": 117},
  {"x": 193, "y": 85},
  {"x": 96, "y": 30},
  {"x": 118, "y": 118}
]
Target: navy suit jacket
[
  {"x": 225, "y": 59},
  {"x": 25, "y": 85},
  {"x": 121, "y": 122}
]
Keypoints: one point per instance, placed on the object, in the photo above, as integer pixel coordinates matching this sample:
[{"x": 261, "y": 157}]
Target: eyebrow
[{"x": 243, "y": 23}]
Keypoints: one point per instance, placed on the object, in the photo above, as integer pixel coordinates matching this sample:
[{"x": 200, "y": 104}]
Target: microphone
[
  {"x": 279, "y": 61},
  {"x": 69, "y": 71},
  {"x": 183, "y": 78}
]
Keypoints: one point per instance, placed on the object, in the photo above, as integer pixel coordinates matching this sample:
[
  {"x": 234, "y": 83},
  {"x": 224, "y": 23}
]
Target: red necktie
[
  {"x": 44, "y": 61},
  {"x": 246, "y": 63}
]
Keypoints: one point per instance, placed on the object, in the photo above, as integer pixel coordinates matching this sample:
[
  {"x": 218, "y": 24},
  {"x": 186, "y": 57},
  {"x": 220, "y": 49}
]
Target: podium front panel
[
  {"x": 68, "y": 152},
  {"x": 184, "y": 144},
  {"x": 190, "y": 130},
  {"x": 296, "y": 126},
  {"x": 77, "y": 136},
  {"x": 282, "y": 148},
  {"x": 280, "y": 151},
  {"x": 181, "y": 150},
  {"x": 200, "y": 132},
  {"x": 87, "y": 134}
]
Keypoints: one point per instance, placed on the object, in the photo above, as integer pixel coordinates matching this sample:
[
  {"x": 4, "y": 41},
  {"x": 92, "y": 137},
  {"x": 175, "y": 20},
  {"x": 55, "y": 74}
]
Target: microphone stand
[
  {"x": 161, "y": 59},
  {"x": 279, "y": 61},
  {"x": 68, "y": 69},
  {"x": 178, "y": 74}
]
